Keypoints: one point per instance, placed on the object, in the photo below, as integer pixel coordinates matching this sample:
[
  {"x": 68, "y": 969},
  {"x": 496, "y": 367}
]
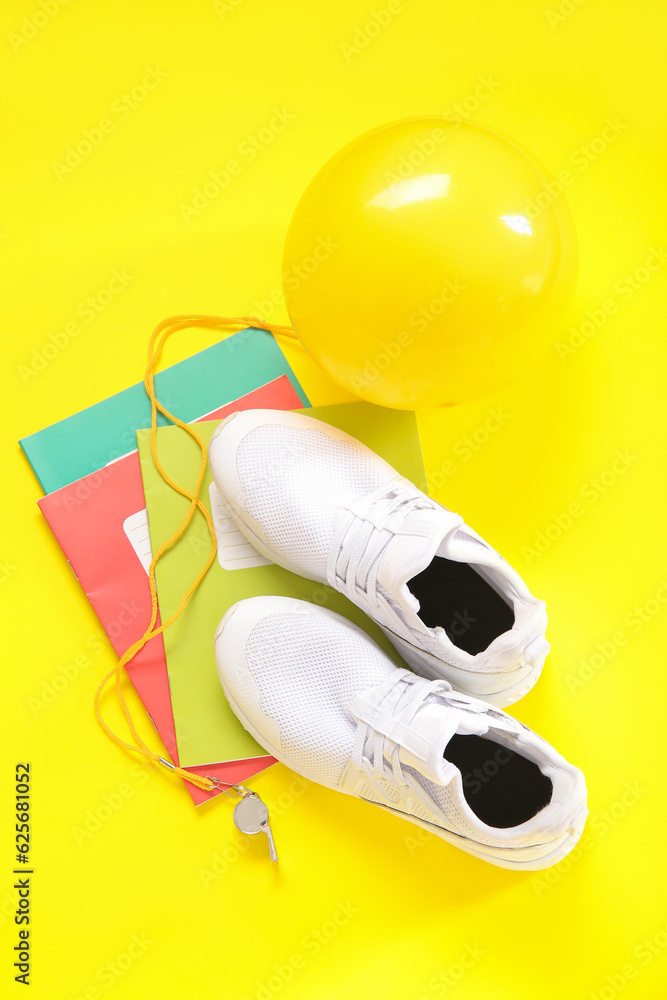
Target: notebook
[
  {"x": 101, "y": 525},
  {"x": 206, "y": 729},
  {"x": 118, "y": 587},
  {"x": 87, "y": 441}
]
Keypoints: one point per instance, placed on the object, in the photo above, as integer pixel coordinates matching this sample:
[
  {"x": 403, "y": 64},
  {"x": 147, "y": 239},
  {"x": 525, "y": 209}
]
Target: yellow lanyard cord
[{"x": 161, "y": 333}]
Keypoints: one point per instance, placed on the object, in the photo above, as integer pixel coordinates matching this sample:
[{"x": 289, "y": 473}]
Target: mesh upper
[
  {"x": 463, "y": 538},
  {"x": 293, "y": 479},
  {"x": 308, "y": 668}
]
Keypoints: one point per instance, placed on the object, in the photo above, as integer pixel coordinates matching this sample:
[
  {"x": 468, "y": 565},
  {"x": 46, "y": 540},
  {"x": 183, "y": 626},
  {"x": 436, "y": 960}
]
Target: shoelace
[
  {"x": 384, "y": 715},
  {"x": 162, "y": 332},
  {"x": 363, "y": 532}
]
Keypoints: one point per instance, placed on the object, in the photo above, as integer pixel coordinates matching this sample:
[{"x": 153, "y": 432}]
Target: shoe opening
[
  {"x": 502, "y": 787},
  {"x": 455, "y": 597}
]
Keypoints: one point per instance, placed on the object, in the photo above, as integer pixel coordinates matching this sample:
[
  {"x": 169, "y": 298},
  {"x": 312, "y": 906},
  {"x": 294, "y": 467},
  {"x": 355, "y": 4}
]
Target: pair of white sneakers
[{"x": 429, "y": 744}]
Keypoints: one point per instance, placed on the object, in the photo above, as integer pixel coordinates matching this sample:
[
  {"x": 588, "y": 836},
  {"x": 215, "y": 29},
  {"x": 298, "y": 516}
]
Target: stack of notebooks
[{"x": 109, "y": 509}]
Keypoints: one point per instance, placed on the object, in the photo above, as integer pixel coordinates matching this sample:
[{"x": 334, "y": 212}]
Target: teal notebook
[{"x": 89, "y": 440}]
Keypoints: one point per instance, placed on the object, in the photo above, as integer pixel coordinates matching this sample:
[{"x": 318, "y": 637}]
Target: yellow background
[{"x": 361, "y": 903}]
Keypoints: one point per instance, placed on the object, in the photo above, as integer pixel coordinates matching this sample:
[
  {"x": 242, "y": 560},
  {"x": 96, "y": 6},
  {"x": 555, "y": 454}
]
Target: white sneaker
[
  {"x": 321, "y": 504},
  {"x": 317, "y": 693}
]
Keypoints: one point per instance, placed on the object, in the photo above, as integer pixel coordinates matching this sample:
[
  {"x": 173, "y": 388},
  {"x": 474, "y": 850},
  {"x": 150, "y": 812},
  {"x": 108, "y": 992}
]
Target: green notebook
[{"x": 206, "y": 729}]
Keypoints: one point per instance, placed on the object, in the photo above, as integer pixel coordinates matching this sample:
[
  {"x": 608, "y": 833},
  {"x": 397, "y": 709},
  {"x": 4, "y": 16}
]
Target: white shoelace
[
  {"x": 383, "y": 717},
  {"x": 362, "y": 534}
]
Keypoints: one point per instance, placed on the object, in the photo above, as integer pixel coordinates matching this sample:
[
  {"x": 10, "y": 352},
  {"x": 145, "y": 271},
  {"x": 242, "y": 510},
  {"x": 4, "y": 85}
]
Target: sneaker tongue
[
  {"x": 431, "y": 729},
  {"x": 421, "y": 535}
]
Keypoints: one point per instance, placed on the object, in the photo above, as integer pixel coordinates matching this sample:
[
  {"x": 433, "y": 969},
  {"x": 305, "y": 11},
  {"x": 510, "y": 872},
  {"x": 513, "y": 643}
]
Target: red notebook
[{"x": 100, "y": 524}]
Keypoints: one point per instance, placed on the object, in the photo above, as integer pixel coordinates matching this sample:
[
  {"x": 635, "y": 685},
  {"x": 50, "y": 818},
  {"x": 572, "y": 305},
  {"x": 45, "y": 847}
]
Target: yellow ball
[{"x": 429, "y": 263}]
